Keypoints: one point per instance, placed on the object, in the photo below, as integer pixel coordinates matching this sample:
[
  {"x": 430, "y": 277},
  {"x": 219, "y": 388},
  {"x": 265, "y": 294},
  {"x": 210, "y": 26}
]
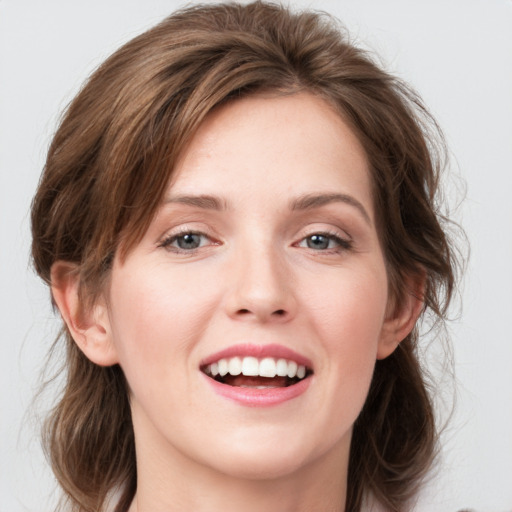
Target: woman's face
[{"x": 263, "y": 259}]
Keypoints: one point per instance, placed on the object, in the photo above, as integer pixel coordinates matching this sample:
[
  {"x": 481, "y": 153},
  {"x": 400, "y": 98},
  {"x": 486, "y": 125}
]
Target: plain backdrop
[{"x": 456, "y": 53}]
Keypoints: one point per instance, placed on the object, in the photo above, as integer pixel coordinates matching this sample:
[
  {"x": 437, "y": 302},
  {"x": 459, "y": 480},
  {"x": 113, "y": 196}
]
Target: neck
[
  {"x": 235, "y": 495},
  {"x": 207, "y": 492},
  {"x": 169, "y": 480}
]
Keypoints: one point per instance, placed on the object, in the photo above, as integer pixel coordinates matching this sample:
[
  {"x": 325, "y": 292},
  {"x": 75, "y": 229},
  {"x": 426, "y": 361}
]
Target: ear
[
  {"x": 89, "y": 328},
  {"x": 402, "y": 315}
]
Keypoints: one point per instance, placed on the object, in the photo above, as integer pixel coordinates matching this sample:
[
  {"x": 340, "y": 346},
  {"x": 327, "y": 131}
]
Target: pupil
[
  {"x": 318, "y": 242},
  {"x": 189, "y": 241}
]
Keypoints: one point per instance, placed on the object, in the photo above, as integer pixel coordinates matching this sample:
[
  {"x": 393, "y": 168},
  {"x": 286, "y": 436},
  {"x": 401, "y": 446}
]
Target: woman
[{"x": 238, "y": 223}]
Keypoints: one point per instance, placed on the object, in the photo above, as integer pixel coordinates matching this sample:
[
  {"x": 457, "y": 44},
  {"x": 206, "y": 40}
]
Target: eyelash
[
  {"x": 342, "y": 244},
  {"x": 168, "y": 241}
]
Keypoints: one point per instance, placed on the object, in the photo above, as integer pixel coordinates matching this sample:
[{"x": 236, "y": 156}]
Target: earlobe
[
  {"x": 402, "y": 316},
  {"x": 90, "y": 328}
]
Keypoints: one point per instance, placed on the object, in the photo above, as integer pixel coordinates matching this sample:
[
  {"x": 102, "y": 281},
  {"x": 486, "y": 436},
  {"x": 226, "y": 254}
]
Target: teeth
[
  {"x": 282, "y": 367},
  {"x": 258, "y": 387},
  {"x": 235, "y": 366},
  {"x": 292, "y": 369},
  {"x": 223, "y": 367},
  {"x": 252, "y": 367},
  {"x": 267, "y": 367}
]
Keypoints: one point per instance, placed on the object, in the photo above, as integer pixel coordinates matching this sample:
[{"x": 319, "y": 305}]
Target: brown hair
[{"x": 109, "y": 164}]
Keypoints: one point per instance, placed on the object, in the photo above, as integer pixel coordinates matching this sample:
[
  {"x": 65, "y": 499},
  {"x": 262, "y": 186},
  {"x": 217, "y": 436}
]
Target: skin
[{"x": 255, "y": 278}]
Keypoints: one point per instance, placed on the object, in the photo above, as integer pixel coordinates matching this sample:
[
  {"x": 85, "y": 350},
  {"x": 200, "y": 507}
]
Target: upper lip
[{"x": 259, "y": 351}]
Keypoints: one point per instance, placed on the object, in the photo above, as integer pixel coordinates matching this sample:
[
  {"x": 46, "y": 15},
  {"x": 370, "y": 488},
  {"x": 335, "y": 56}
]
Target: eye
[
  {"x": 187, "y": 241},
  {"x": 325, "y": 242}
]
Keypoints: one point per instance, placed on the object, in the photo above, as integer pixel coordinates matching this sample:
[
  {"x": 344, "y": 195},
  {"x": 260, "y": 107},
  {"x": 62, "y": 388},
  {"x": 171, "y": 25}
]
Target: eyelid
[
  {"x": 170, "y": 237},
  {"x": 342, "y": 238}
]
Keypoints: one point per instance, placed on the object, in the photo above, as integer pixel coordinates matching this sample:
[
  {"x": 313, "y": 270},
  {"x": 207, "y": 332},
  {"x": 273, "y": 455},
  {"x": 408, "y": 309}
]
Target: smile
[
  {"x": 258, "y": 375},
  {"x": 252, "y": 372}
]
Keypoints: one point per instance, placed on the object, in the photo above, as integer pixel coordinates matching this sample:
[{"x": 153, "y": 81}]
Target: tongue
[{"x": 242, "y": 380}]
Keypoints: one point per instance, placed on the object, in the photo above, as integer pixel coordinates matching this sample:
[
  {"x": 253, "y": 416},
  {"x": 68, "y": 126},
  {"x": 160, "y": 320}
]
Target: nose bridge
[{"x": 261, "y": 286}]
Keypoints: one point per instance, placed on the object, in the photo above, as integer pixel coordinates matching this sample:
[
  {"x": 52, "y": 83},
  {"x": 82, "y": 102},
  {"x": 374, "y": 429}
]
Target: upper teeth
[{"x": 254, "y": 367}]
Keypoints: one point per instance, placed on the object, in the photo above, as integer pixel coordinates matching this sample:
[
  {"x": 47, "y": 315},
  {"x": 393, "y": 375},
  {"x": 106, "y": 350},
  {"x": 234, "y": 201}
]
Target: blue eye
[
  {"x": 324, "y": 241},
  {"x": 318, "y": 242},
  {"x": 188, "y": 241}
]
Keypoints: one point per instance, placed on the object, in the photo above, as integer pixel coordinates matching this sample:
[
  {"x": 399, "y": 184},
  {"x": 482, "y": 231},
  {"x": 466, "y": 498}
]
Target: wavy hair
[{"x": 108, "y": 166}]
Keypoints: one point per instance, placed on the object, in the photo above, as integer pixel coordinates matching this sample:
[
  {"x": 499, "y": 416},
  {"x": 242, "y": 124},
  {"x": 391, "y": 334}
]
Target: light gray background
[{"x": 457, "y": 53}]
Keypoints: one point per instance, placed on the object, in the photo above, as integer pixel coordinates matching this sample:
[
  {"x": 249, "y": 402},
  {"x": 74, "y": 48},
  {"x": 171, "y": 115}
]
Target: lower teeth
[
  {"x": 288, "y": 382},
  {"x": 257, "y": 387}
]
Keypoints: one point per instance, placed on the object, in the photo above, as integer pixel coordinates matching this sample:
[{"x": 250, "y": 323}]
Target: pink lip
[
  {"x": 259, "y": 351},
  {"x": 259, "y": 397}
]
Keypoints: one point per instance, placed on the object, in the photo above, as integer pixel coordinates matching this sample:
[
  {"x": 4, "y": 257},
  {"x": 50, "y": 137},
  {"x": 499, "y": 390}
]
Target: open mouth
[{"x": 251, "y": 372}]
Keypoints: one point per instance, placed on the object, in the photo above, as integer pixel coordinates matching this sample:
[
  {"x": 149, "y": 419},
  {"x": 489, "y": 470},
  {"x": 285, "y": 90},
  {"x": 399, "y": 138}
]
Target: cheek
[
  {"x": 350, "y": 306},
  {"x": 157, "y": 318},
  {"x": 348, "y": 318}
]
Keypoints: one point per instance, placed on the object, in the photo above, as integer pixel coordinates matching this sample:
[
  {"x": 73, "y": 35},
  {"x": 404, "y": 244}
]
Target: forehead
[{"x": 273, "y": 147}]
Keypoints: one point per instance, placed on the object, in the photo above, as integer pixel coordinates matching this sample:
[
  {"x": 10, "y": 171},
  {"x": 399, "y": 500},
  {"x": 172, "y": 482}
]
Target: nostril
[{"x": 279, "y": 312}]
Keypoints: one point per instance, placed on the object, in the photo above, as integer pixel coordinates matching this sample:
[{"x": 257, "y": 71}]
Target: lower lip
[{"x": 254, "y": 397}]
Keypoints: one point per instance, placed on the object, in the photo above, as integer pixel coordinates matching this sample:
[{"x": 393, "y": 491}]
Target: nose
[{"x": 261, "y": 287}]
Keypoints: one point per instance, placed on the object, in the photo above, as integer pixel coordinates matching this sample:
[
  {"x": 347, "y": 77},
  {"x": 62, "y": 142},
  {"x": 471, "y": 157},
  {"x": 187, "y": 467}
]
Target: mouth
[{"x": 257, "y": 373}]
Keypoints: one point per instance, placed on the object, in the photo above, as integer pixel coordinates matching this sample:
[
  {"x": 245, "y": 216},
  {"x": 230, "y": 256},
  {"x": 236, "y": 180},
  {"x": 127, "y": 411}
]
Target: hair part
[{"x": 113, "y": 156}]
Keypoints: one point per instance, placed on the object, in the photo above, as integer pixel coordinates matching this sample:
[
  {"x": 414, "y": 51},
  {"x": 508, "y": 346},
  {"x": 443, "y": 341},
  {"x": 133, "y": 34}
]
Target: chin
[
  {"x": 260, "y": 467},
  {"x": 271, "y": 455}
]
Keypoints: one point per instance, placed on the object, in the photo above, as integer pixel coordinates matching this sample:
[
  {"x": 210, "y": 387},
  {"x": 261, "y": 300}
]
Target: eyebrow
[
  {"x": 310, "y": 201},
  {"x": 305, "y": 202},
  {"x": 201, "y": 201}
]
